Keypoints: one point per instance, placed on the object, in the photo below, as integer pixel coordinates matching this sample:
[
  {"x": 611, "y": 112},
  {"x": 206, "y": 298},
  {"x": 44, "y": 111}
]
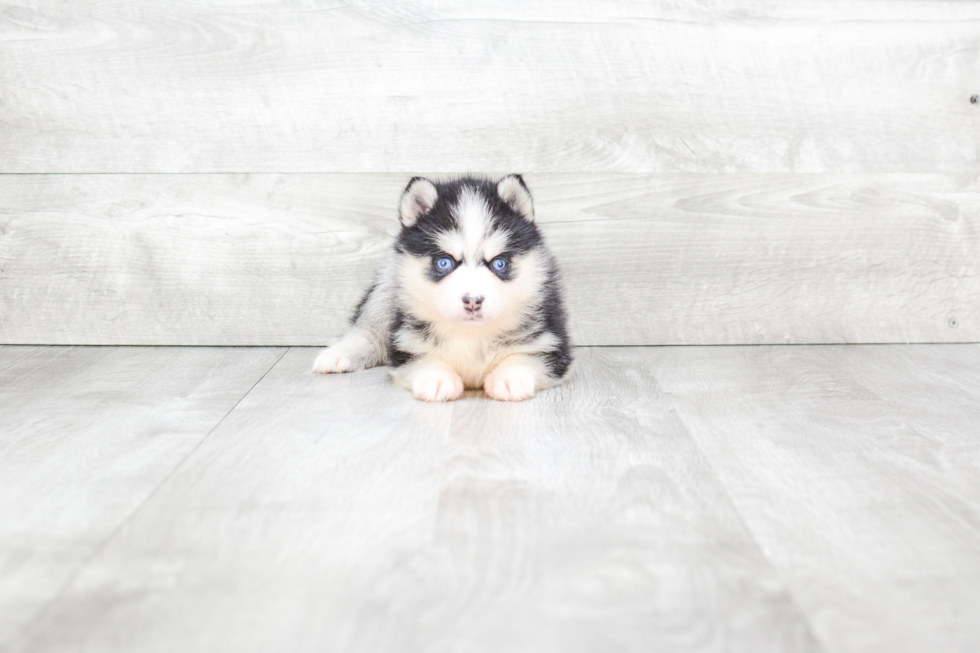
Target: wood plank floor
[{"x": 804, "y": 498}]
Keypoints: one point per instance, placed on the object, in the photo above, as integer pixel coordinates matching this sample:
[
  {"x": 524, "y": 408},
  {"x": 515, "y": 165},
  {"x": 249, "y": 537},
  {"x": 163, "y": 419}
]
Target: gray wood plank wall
[{"x": 723, "y": 172}]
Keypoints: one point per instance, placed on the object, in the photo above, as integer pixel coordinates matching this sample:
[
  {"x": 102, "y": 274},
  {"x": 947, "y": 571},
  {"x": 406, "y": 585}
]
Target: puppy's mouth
[{"x": 471, "y": 319}]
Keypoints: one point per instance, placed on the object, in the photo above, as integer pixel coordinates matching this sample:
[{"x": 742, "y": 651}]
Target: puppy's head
[{"x": 469, "y": 252}]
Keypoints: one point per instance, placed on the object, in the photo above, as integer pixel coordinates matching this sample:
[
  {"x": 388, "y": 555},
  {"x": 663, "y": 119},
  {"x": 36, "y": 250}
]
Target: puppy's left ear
[
  {"x": 418, "y": 198},
  {"x": 513, "y": 190}
]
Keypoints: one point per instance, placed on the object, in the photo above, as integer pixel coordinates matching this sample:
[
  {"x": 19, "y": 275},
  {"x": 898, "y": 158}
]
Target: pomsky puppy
[{"x": 471, "y": 297}]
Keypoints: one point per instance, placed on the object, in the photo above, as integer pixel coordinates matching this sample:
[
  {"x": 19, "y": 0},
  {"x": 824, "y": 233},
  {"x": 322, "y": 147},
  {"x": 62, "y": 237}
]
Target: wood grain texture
[
  {"x": 648, "y": 259},
  {"x": 86, "y": 435},
  {"x": 872, "y": 523},
  {"x": 537, "y": 86},
  {"x": 936, "y": 392},
  {"x": 337, "y": 513}
]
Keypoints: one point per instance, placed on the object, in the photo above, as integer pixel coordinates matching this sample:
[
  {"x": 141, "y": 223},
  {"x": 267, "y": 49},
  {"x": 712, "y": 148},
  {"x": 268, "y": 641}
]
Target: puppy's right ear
[{"x": 418, "y": 199}]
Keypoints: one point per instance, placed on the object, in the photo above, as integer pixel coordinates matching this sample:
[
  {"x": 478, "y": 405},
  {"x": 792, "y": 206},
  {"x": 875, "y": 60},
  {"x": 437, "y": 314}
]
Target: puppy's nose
[{"x": 472, "y": 303}]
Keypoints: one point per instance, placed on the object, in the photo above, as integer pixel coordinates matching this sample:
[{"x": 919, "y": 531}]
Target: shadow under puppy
[{"x": 471, "y": 297}]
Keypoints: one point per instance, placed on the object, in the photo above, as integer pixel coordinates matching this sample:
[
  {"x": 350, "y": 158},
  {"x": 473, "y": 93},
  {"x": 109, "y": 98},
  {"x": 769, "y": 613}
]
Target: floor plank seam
[
  {"x": 25, "y": 632},
  {"x": 790, "y": 595}
]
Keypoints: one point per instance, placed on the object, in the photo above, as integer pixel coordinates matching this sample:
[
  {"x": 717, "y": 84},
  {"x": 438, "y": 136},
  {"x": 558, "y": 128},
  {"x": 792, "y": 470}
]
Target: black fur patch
[
  {"x": 360, "y": 305},
  {"x": 420, "y": 238},
  {"x": 396, "y": 356},
  {"x": 402, "y": 322},
  {"x": 550, "y": 313}
]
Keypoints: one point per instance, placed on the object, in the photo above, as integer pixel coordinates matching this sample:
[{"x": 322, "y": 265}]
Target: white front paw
[
  {"x": 510, "y": 383},
  {"x": 437, "y": 384},
  {"x": 332, "y": 360}
]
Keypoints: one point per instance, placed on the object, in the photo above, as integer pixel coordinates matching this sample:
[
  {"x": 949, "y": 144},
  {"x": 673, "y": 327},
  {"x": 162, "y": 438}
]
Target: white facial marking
[
  {"x": 451, "y": 242},
  {"x": 473, "y": 216},
  {"x": 494, "y": 245},
  {"x": 472, "y": 242},
  {"x": 470, "y": 296},
  {"x": 441, "y": 303}
]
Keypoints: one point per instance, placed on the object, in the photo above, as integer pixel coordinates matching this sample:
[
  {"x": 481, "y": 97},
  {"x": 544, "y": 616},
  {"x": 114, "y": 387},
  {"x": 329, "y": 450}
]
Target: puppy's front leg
[
  {"x": 516, "y": 378},
  {"x": 429, "y": 380},
  {"x": 355, "y": 351}
]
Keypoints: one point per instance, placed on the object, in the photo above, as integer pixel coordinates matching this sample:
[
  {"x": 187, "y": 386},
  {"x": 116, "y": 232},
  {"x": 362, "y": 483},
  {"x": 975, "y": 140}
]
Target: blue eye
[
  {"x": 499, "y": 264},
  {"x": 444, "y": 264}
]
